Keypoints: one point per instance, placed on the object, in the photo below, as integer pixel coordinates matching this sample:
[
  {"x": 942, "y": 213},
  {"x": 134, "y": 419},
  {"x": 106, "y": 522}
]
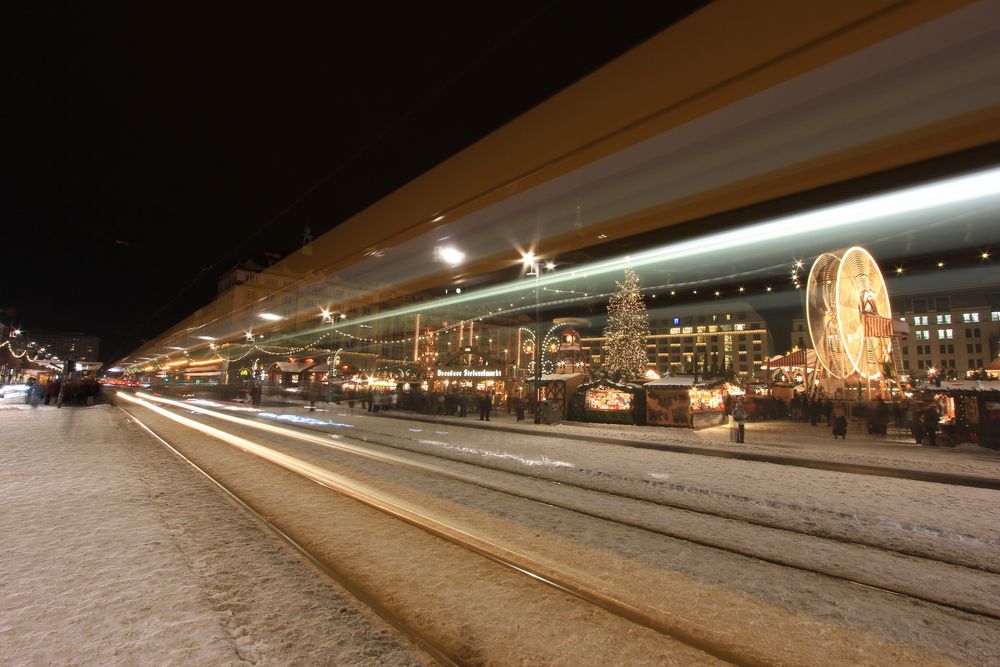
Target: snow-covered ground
[
  {"x": 120, "y": 554},
  {"x": 113, "y": 552}
]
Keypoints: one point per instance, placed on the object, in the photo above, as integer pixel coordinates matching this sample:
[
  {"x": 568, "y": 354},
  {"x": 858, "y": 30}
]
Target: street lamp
[{"x": 534, "y": 269}]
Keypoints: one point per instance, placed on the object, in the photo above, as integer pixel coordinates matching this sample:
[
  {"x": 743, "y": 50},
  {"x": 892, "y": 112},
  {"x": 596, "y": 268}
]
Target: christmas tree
[{"x": 628, "y": 326}]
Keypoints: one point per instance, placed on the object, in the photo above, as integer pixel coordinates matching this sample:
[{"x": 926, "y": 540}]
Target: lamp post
[{"x": 534, "y": 268}]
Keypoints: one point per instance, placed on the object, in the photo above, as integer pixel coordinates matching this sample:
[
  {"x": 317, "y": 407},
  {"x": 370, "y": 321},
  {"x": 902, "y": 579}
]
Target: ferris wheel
[{"x": 848, "y": 313}]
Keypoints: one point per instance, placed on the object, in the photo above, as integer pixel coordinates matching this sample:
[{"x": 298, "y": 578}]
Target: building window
[
  {"x": 943, "y": 319},
  {"x": 942, "y": 303},
  {"x": 920, "y": 320},
  {"x": 920, "y": 363},
  {"x": 920, "y": 305},
  {"x": 995, "y": 315},
  {"x": 945, "y": 334},
  {"x": 906, "y": 365},
  {"x": 922, "y": 334},
  {"x": 970, "y": 318}
]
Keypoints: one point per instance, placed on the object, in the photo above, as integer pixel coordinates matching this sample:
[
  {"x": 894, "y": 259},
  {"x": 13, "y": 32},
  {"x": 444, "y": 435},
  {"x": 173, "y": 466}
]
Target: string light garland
[{"x": 235, "y": 352}]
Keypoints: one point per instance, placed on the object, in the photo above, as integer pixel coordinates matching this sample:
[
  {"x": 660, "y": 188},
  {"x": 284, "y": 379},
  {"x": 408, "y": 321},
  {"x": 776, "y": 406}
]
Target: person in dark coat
[
  {"x": 740, "y": 419},
  {"x": 916, "y": 418},
  {"x": 815, "y": 409},
  {"x": 878, "y": 419},
  {"x": 485, "y": 403},
  {"x": 255, "y": 393},
  {"x": 840, "y": 427},
  {"x": 931, "y": 420}
]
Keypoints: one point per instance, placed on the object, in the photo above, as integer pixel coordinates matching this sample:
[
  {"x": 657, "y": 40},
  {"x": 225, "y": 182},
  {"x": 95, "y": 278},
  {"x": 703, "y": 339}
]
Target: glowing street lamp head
[
  {"x": 270, "y": 317},
  {"x": 550, "y": 265},
  {"x": 451, "y": 255},
  {"x": 528, "y": 259}
]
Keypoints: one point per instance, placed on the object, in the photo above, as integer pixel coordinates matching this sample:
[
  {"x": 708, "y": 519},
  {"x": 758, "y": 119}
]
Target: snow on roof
[
  {"x": 560, "y": 376},
  {"x": 293, "y": 366},
  {"x": 967, "y": 385},
  {"x": 672, "y": 381},
  {"x": 682, "y": 381}
]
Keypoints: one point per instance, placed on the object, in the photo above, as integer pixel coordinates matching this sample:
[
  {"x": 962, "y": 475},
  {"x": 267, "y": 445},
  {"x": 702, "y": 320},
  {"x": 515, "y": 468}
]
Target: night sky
[{"x": 146, "y": 152}]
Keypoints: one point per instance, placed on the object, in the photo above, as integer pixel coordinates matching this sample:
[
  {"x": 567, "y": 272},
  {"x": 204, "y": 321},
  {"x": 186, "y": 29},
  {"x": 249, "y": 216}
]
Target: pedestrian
[
  {"x": 828, "y": 411},
  {"x": 795, "y": 407},
  {"x": 931, "y": 420},
  {"x": 35, "y": 392},
  {"x": 255, "y": 393},
  {"x": 740, "y": 419},
  {"x": 916, "y": 425},
  {"x": 840, "y": 426},
  {"x": 815, "y": 409},
  {"x": 484, "y": 407},
  {"x": 376, "y": 401},
  {"x": 878, "y": 420}
]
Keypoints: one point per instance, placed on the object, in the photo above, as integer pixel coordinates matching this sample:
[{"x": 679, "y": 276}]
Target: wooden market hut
[
  {"x": 970, "y": 411},
  {"x": 680, "y": 401},
  {"x": 559, "y": 387},
  {"x": 608, "y": 402}
]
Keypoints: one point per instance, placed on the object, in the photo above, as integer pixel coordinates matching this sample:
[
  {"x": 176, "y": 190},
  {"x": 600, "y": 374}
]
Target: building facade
[{"x": 734, "y": 337}]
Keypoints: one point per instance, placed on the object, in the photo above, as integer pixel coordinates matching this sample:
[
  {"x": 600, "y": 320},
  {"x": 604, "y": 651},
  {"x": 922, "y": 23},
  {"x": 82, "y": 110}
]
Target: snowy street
[{"x": 762, "y": 560}]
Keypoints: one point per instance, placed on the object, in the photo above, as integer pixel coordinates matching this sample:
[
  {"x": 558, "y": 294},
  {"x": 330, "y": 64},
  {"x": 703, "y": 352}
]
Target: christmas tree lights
[{"x": 628, "y": 326}]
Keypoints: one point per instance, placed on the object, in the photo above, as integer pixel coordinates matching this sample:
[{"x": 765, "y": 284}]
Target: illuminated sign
[{"x": 467, "y": 373}]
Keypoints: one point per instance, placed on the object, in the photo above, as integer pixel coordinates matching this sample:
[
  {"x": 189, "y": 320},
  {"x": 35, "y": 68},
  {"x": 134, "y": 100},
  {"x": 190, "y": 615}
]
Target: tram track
[
  {"x": 792, "y": 560},
  {"x": 510, "y": 560}
]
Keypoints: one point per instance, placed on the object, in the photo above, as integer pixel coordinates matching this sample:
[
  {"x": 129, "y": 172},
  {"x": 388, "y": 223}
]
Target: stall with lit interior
[
  {"x": 608, "y": 402},
  {"x": 680, "y": 401},
  {"x": 970, "y": 411}
]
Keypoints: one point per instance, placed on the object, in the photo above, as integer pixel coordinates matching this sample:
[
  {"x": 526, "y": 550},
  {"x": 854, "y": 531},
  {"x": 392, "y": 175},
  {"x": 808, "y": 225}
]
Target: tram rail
[
  {"x": 719, "y": 544},
  {"x": 507, "y": 558}
]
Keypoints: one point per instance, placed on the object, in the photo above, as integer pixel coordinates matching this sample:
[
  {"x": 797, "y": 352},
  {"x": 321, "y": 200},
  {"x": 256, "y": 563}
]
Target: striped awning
[
  {"x": 797, "y": 359},
  {"x": 876, "y": 326}
]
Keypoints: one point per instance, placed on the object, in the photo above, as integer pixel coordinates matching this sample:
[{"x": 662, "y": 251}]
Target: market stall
[
  {"x": 679, "y": 401},
  {"x": 608, "y": 402},
  {"x": 970, "y": 411},
  {"x": 559, "y": 388}
]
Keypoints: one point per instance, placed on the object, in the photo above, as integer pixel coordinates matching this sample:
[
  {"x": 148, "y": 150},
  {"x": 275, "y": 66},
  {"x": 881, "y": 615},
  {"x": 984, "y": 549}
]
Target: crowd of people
[
  {"x": 83, "y": 391},
  {"x": 922, "y": 419}
]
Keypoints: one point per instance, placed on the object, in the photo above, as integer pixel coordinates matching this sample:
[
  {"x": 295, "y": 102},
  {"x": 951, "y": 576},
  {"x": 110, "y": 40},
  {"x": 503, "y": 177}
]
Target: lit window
[
  {"x": 920, "y": 320},
  {"x": 944, "y": 319},
  {"x": 945, "y": 334},
  {"x": 970, "y": 318},
  {"x": 995, "y": 315}
]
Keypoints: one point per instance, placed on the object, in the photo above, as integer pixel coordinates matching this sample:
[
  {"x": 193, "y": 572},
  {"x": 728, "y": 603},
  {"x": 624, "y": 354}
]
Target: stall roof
[
  {"x": 805, "y": 357},
  {"x": 682, "y": 381},
  {"x": 957, "y": 386},
  {"x": 549, "y": 377},
  {"x": 293, "y": 366}
]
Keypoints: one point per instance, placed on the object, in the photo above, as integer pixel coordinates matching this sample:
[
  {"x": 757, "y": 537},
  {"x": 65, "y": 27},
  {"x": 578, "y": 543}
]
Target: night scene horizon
[{"x": 544, "y": 333}]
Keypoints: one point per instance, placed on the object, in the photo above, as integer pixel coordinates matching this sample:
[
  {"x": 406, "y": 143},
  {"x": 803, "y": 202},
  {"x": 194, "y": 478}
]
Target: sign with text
[{"x": 467, "y": 372}]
